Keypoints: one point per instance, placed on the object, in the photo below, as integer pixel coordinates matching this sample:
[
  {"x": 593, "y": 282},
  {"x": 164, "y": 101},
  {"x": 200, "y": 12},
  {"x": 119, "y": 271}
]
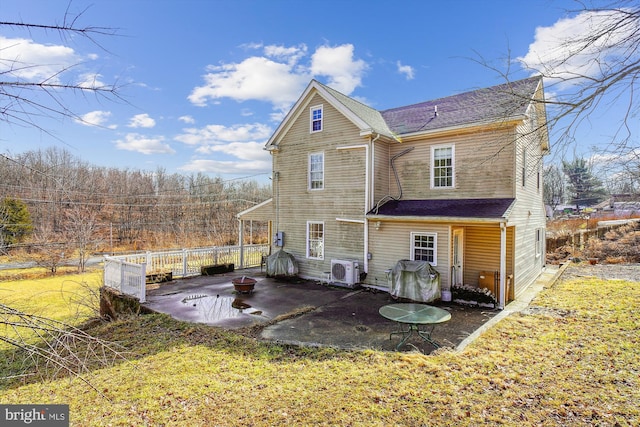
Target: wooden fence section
[{"x": 580, "y": 237}]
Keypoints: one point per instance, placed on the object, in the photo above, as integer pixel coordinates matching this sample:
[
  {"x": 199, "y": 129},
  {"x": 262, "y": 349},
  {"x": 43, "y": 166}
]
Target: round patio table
[{"x": 413, "y": 316}]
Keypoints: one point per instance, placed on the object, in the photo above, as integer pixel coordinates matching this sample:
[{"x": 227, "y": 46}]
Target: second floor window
[
  {"x": 316, "y": 171},
  {"x": 423, "y": 247},
  {"x": 316, "y": 118},
  {"x": 442, "y": 166}
]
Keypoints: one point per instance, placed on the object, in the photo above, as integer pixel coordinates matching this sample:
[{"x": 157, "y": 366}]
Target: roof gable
[{"x": 367, "y": 119}]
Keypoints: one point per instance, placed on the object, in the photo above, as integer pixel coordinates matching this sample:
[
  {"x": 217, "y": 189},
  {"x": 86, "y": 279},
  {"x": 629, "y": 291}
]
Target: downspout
[
  {"x": 276, "y": 183},
  {"x": 241, "y": 238},
  {"x": 503, "y": 265},
  {"x": 367, "y": 198}
]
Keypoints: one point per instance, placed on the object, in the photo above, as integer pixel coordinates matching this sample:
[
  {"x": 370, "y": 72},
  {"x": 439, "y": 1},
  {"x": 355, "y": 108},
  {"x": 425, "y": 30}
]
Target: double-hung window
[
  {"x": 423, "y": 247},
  {"x": 315, "y": 240},
  {"x": 316, "y": 119},
  {"x": 442, "y": 166},
  {"x": 539, "y": 234},
  {"x": 316, "y": 171}
]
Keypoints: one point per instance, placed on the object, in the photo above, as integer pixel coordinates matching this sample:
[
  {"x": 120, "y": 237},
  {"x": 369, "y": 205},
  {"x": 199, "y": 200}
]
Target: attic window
[{"x": 316, "y": 118}]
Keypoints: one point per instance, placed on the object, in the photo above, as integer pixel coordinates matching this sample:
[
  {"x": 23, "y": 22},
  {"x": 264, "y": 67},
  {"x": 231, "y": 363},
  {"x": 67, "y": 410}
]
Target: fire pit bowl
[{"x": 243, "y": 284}]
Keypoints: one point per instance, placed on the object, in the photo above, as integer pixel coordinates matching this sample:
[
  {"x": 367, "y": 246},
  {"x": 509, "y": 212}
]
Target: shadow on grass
[{"x": 136, "y": 337}]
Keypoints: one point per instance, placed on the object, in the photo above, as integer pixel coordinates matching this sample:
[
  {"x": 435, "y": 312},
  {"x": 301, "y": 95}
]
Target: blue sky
[{"x": 207, "y": 82}]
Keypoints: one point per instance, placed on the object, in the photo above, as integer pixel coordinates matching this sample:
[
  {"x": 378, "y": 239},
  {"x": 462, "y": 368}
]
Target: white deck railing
[
  {"x": 126, "y": 277},
  {"x": 180, "y": 263}
]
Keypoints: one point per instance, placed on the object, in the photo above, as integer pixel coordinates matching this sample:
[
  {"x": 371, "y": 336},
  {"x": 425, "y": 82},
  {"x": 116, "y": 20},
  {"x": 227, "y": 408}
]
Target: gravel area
[{"x": 630, "y": 272}]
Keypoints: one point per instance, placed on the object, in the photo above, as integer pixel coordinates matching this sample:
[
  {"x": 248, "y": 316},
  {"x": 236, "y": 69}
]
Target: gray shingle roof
[
  {"x": 486, "y": 105},
  {"x": 369, "y": 115}
]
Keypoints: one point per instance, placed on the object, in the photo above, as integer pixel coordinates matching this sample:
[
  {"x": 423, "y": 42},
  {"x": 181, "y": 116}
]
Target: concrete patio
[{"x": 303, "y": 312}]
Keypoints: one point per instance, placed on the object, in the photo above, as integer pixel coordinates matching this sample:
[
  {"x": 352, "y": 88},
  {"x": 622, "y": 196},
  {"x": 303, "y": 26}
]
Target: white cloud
[
  {"x": 563, "y": 53},
  {"x": 407, "y": 70},
  {"x": 337, "y": 63},
  {"x": 91, "y": 81},
  {"x": 96, "y": 118},
  {"x": 256, "y": 78},
  {"x": 35, "y": 62},
  {"x": 187, "y": 119},
  {"x": 141, "y": 121},
  {"x": 220, "y": 134},
  {"x": 227, "y": 167},
  {"x": 143, "y": 144},
  {"x": 280, "y": 75},
  {"x": 242, "y": 150},
  {"x": 241, "y": 146}
]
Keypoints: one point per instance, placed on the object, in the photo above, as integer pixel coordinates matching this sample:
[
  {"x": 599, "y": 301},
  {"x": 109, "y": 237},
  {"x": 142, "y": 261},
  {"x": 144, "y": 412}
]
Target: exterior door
[{"x": 458, "y": 257}]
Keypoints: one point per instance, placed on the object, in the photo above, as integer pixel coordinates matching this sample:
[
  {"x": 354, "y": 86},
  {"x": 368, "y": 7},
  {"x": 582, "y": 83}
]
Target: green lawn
[{"x": 574, "y": 359}]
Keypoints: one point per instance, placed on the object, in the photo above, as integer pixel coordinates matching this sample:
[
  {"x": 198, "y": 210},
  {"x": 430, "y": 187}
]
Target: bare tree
[
  {"x": 590, "y": 71},
  {"x": 81, "y": 231},
  {"x": 25, "y": 100},
  {"x": 554, "y": 186}
]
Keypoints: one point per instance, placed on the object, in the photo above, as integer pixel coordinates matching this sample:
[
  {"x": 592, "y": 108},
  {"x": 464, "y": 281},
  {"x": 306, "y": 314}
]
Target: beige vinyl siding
[
  {"x": 482, "y": 251},
  {"x": 392, "y": 242},
  {"x": 528, "y": 214},
  {"x": 343, "y": 195},
  {"x": 483, "y": 166},
  {"x": 382, "y": 174}
]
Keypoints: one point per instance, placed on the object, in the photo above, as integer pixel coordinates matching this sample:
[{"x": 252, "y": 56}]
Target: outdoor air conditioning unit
[{"x": 345, "y": 272}]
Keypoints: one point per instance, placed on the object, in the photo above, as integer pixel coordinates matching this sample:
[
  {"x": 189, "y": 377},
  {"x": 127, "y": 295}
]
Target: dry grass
[{"x": 572, "y": 359}]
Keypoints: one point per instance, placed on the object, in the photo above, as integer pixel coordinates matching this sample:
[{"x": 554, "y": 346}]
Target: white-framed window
[
  {"x": 315, "y": 239},
  {"x": 442, "y": 166},
  {"x": 539, "y": 235},
  {"x": 315, "y": 117},
  {"x": 316, "y": 171},
  {"x": 424, "y": 247}
]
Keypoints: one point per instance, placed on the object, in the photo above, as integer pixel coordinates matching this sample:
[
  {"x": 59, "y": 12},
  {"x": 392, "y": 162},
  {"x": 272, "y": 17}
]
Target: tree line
[{"x": 74, "y": 206}]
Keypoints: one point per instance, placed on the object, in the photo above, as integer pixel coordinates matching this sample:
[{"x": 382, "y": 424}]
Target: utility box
[{"x": 278, "y": 239}]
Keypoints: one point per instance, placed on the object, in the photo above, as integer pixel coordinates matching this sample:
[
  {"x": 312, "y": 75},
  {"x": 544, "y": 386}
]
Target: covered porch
[{"x": 469, "y": 242}]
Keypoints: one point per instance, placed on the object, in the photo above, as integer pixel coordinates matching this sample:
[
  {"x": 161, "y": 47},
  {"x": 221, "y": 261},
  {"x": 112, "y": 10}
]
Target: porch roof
[{"x": 478, "y": 209}]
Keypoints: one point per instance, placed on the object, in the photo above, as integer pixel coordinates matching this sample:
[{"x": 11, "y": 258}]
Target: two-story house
[{"x": 456, "y": 181}]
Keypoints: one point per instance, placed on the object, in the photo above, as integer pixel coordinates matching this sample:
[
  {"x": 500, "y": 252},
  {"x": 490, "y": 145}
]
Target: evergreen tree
[
  {"x": 584, "y": 188},
  {"x": 15, "y": 222}
]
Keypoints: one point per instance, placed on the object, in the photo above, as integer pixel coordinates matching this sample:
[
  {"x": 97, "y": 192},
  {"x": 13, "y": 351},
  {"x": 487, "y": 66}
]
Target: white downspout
[
  {"x": 368, "y": 197},
  {"x": 367, "y": 194},
  {"x": 503, "y": 265}
]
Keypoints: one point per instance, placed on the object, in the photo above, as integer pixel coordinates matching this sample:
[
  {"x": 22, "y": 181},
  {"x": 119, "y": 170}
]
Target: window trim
[
  {"x": 309, "y": 172},
  {"x": 539, "y": 236},
  {"x": 309, "y": 240},
  {"x": 433, "y": 166},
  {"x": 312, "y": 120},
  {"x": 414, "y": 234}
]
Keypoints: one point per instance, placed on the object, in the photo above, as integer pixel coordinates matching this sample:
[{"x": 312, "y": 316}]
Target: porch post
[
  {"x": 241, "y": 243},
  {"x": 503, "y": 264}
]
